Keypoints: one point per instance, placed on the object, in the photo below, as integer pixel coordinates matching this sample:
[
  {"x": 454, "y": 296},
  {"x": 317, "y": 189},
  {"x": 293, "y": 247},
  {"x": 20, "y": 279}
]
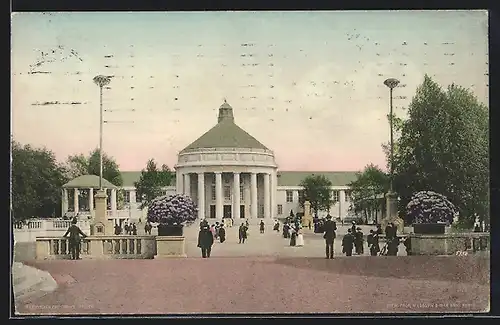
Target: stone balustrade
[{"x": 98, "y": 247}]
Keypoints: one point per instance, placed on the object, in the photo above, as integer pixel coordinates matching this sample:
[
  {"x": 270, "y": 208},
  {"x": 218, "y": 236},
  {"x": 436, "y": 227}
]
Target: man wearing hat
[
  {"x": 353, "y": 227},
  {"x": 205, "y": 240},
  {"x": 329, "y": 236},
  {"x": 74, "y": 233},
  {"x": 358, "y": 241}
]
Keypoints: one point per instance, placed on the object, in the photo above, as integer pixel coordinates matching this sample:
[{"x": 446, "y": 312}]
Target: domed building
[{"x": 228, "y": 172}]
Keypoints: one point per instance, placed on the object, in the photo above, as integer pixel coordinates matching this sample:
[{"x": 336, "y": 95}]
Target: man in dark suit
[
  {"x": 205, "y": 241},
  {"x": 329, "y": 228},
  {"x": 74, "y": 233}
]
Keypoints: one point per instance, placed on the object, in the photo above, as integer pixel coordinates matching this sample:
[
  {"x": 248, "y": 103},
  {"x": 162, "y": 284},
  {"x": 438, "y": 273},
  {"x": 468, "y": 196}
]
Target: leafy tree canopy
[
  {"x": 151, "y": 182},
  {"x": 366, "y": 190},
  {"x": 37, "y": 179},
  {"x": 443, "y": 147},
  {"x": 317, "y": 190},
  {"x": 81, "y": 164}
]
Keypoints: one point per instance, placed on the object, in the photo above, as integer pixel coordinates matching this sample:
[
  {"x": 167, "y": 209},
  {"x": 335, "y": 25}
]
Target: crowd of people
[{"x": 128, "y": 229}]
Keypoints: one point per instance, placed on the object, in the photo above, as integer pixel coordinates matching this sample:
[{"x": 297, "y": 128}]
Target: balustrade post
[{"x": 96, "y": 247}]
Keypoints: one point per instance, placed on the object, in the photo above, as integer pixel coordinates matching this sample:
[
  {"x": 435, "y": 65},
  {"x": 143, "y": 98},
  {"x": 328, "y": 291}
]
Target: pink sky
[{"x": 317, "y": 99}]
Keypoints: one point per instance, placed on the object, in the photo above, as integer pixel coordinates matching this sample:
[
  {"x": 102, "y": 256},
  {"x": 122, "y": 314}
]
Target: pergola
[{"x": 86, "y": 183}]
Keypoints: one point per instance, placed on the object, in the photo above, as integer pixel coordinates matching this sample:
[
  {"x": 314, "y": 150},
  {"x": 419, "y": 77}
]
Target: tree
[
  {"x": 151, "y": 182},
  {"x": 317, "y": 191},
  {"x": 443, "y": 148},
  {"x": 366, "y": 191},
  {"x": 37, "y": 180},
  {"x": 78, "y": 165}
]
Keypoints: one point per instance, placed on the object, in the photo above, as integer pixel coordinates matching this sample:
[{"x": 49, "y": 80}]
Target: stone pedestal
[
  {"x": 100, "y": 225},
  {"x": 392, "y": 213},
  {"x": 307, "y": 218},
  {"x": 170, "y": 246},
  {"x": 445, "y": 244}
]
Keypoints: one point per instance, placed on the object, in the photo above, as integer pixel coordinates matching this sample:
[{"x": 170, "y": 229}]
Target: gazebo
[{"x": 84, "y": 186}]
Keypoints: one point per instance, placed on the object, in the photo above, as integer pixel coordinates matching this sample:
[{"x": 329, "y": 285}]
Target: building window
[
  {"x": 261, "y": 210},
  {"x": 242, "y": 194},
  {"x": 213, "y": 192},
  {"x": 138, "y": 197},
  {"x": 347, "y": 196},
  {"x": 301, "y": 196},
  {"x": 126, "y": 196},
  {"x": 289, "y": 196},
  {"x": 227, "y": 192},
  {"x": 280, "y": 209},
  {"x": 335, "y": 196}
]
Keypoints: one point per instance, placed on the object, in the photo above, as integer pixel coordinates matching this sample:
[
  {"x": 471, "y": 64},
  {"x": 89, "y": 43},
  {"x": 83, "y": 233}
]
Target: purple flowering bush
[
  {"x": 172, "y": 210},
  {"x": 430, "y": 207}
]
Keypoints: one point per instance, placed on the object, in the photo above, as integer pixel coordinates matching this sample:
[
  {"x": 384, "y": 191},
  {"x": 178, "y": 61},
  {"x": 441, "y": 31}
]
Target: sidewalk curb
[{"x": 30, "y": 283}]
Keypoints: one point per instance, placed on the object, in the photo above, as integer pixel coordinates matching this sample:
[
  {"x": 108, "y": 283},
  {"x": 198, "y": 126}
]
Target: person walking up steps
[{"x": 242, "y": 233}]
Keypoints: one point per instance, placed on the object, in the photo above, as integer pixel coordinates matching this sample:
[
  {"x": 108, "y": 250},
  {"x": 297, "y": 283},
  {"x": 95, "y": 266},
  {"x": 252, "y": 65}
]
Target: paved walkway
[
  {"x": 264, "y": 275},
  {"x": 265, "y": 285},
  {"x": 271, "y": 243}
]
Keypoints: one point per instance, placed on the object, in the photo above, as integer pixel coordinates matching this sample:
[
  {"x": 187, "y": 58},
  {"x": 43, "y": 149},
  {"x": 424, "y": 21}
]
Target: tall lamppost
[
  {"x": 101, "y": 81},
  {"x": 101, "y": 226},
  {"x": 391, "y": 199}
]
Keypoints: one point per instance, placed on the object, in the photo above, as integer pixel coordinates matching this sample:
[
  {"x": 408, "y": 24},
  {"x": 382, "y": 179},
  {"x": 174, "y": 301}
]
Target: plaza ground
[{"x": 265, "y": 275}]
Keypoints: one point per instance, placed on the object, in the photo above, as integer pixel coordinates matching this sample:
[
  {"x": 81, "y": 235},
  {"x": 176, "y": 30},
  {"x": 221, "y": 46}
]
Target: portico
[
  {"x": 228, "y": 173},
  {"x": 83, "y": 190},
  {"x": 238, "y": 194}
]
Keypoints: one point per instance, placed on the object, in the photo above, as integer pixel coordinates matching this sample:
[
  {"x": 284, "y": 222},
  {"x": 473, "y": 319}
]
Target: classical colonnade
[
  {"x": 76, "y": 199},
  {"x": 269, "y": 187}
]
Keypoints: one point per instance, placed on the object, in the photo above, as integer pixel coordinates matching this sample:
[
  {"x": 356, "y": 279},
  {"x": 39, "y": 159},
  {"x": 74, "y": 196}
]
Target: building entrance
[
  {"x": 242, "y": 211},
  {"x": 212, "y": 211},
  {"x": 227, "y": 211}
]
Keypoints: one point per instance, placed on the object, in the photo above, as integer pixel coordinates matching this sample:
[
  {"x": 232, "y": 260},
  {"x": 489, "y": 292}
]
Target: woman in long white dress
[{"x": 300, "y": 238}]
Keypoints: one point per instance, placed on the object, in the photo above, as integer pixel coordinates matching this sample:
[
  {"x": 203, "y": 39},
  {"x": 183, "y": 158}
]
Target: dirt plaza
[{"x": 265, "y": 275}]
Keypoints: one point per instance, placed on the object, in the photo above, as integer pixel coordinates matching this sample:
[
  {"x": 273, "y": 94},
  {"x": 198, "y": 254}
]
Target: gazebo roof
[
  {"x": 225, "y": 134},
  {"x": 88, "y": 181}
]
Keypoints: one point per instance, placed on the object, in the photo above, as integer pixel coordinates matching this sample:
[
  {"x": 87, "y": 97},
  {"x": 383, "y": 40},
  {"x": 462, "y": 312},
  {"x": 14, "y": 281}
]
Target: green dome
[
  {"x": 225, "y": 134},
  {"x": 88, "y": 181}
]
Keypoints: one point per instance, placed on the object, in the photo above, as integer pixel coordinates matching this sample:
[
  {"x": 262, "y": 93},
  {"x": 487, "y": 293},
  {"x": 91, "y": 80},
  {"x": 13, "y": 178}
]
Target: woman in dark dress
[{"x": 222, "y": 234}]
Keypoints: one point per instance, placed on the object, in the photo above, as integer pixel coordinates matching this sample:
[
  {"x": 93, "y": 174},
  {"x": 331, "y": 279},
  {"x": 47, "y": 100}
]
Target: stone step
[{"x": 30, "y": 282}]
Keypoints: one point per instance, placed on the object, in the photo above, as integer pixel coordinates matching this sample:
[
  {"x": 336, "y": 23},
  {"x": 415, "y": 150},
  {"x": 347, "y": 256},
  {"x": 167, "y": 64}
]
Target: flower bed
[
  {"x": 172, "y": 212},
  {"x": 430, "y": 212}
]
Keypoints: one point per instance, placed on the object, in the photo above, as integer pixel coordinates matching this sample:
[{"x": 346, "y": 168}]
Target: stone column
[
  {"x": 218, "y": 195},
  {"x": 341, "y": 204},
  {"x": 201, "y": 196},
  {"x": 253, "y": 195},
  {"x": 187, "y": 184},
  {"x": 236, "y": 196},
  {"x": 75, "y": 201},
  {"x": 113, "y": 202},
  {"x": 274, "y": 189},
  {"x": 65, "y": 201},
  {"x": 178, "y": 182},
  {"x": 267, "y": 196},
  {"x": 91, "y": 199},
  {"x": 246, "y": 193}
]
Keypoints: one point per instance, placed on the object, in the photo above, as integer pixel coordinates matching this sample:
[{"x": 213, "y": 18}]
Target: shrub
[
  {"x": 430, "y": 207},
  {"x": 172, "y": 210}
]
